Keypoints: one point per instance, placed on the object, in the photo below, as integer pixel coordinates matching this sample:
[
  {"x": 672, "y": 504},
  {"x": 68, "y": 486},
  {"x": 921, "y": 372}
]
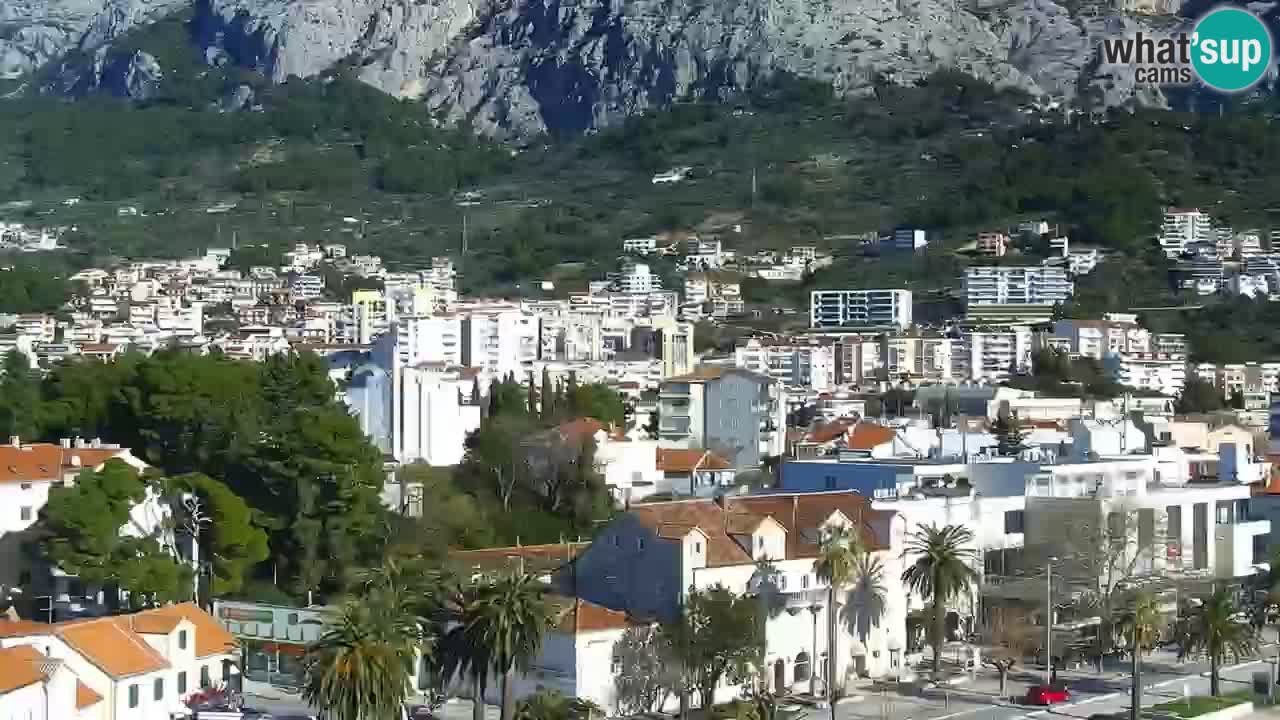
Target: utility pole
[{"x": 1048, "y": 622}]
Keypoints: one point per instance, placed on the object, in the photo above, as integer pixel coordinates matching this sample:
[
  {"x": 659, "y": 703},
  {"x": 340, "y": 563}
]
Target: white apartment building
[
  {"x": 40, "y": 328},
  {"x": 429, "y": 339},
  {"x": 859, "y": 308},
  {"x": 919, "y": 357},
  {"x": 636, "y": 277},
  {"x": 797, "y": 365},
  {"x": 1183, "y": 227},
  {"x": 1082, "y": 261},
  {"x": 1164, "y": 373},
  {"x": 500, "y": 339},
  {"x": 1016, "y": 285},
  {"x": 640, "y": 246},
  {"x": 307, "y": 287},
  {"x": 995, "y": 354},
  {"x": 129, "y": 667},
  {"x": 430, "y": 422}
]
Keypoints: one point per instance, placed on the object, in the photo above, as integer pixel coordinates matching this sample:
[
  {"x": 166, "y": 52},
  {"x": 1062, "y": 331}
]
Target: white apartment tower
[
  {"x": 1183, "y": 227},
  {"x": 859, "y": 308},
  {"x": 1017, "y": 285}
]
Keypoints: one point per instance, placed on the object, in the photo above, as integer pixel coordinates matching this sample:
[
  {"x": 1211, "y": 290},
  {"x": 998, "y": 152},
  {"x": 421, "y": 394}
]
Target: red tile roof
[
  {"x": 19, "y": 667},
  {"x": 800, "y": 515},
  {"x": 580, "y": 616},
  {"x": 85, "y": 696},
  {"x": 678, "y": 460},
  {"x": 47, "y": 462},
  {"x": 865, "y": 436}
]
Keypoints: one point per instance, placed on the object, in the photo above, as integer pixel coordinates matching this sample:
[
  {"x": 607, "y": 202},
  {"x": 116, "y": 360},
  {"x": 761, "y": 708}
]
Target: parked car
[{"x": 1046, "y": 694}]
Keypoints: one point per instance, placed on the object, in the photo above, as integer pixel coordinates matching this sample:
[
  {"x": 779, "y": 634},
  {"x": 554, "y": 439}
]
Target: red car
[{"x": 1046, "y": 694}]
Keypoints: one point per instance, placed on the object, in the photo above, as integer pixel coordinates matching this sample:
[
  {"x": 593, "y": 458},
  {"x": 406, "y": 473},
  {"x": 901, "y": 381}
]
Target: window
[
  {"x": 804, "y": 581},
  {"x": 205, "y": 682},
  {"x": 697, "y": 547},
  {"x": 182, "y": 683},
  {"x": 639, "y": 543},
  {"x": 615, "y": 541},
  {"x": 159, "y": 689},
  {"x": 182, "y": 639},
  {"x": 133, "y": 695},
  {"x": 293, "y": 618},
  {"x": 26, "y": 486},
  {"x": 615, "y": 667},
  {"x": 1014, "y": 521},
  {"x": 1224, "y": 512},
  {"x": 25, "y": 513},
  {"x": 831, "y": 482}
]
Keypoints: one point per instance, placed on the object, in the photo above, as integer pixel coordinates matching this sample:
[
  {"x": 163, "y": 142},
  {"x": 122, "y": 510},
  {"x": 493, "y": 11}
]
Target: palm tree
[
  {"x": 867, "y": 596},
  {"x": 499, "y": 630},
  {"x": 1214, "y": 630},
  {"x": 838, "y": 553},
  {"x": 359, "y": 669},
  {"x": 940, "y": 572},
  {"x": 1142, "y": 624}
]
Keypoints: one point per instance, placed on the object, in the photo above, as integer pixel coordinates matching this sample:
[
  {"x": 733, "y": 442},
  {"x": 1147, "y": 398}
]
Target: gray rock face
[
  {"x": 521, "y": 67},
  {"x": 32, "y": 32},
  {"x": 516, "y": 68}
]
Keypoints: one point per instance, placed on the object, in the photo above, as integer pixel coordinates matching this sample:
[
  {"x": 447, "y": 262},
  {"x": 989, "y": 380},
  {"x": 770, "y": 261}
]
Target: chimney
[
  {"x": 97, "y": 443},
  {"x": 65, "y": 443},
  {"x": 15, "y": 441},
  {"x": 79, "y": 442}
]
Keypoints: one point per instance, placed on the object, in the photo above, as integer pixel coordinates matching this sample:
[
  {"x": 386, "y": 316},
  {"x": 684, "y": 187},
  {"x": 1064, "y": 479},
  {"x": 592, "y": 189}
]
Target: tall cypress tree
[{"x": 548, "y": 400}]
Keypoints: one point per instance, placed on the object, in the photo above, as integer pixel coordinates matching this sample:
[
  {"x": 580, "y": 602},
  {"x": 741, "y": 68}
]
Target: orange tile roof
[
  {"x": 701, "y": 373},
  {"x": 115, "y": 644},
  {"x": 800, "y": 515},
  {"x": 19, "y": 628},
  {"x": 19, "y": 667},
  {"x": 581, "y": 428},
  {"x": 211, "y": 638},
  {"x": 865, "y": 436},
  {"x": 830, "y": 431},
  {"x": 580, "y": 616},
  {"x": 550, "y": 556},
  {"x": 47, "y": 462},
  {"x": 85, "y": 696},
  {"x": 684, "y": 461},
  {"x": 110, "y": 646},
  {"x": 30, "y": 462}
]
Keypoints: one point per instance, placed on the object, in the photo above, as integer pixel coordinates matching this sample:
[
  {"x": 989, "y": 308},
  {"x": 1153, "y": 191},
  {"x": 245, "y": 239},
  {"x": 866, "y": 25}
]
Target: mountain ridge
[{"x": 517, "y": 69}]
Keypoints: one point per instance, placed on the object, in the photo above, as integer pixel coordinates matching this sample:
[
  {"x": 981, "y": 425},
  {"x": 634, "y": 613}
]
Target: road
[{"x": 1091, "y": 694}]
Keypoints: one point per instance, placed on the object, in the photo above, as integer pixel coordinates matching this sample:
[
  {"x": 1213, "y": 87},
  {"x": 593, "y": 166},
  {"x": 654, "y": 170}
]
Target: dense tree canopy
[
  {"x": 273, "y": 433},
  {"x": 86, "y": 530}
]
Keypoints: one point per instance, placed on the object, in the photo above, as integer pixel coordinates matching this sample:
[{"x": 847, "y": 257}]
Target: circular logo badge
[{"x": 1231, "y": 49}]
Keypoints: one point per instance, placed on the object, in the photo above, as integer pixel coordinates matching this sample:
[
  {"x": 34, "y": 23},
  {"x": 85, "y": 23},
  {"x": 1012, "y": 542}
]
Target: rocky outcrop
[
  {"x": 521, "y": 67},
  {"x": 33, "y": 32},
  {"x": 516, "y": 68}
]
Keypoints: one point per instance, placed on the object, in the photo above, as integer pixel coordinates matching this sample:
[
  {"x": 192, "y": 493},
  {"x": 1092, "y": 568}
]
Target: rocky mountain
[
  {"x": 515, "y": 68},
  {"x": 34, "y": 32}
]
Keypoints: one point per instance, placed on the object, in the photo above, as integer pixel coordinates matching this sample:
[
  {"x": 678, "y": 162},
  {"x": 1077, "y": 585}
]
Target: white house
[
  {"x": 34, "y": 686},
  {"x": 29, "y": 470},
  {"x": 645, "y": 562},
  {"x": 139, "y": 667}
]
